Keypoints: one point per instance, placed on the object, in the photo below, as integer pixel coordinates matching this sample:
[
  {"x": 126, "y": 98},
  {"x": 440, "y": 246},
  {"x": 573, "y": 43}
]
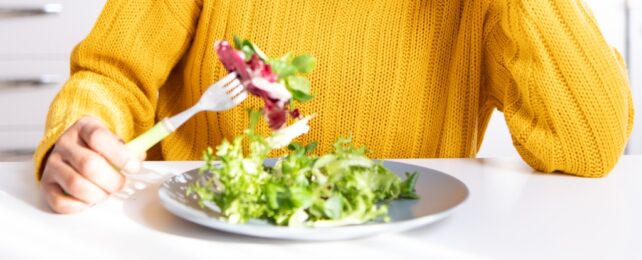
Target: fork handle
[{"x": 151, "y": 137}]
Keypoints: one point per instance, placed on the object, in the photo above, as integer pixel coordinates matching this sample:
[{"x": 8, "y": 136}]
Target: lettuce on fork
[
  {"x": 343, "y": 187},
  {"x": 276, "y": 81}
]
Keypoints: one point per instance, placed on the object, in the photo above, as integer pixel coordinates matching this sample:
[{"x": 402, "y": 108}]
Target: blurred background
[{"x": 38, "y": 36}]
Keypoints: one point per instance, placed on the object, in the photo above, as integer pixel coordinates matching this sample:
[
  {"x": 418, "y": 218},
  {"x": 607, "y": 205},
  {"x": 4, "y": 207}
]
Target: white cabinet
[
  {"x": 29, "y": 86},
  {"x": 45, "y": 28},
  {"x": 635, "y": 71},
  {"x": 38, "y": 37}
]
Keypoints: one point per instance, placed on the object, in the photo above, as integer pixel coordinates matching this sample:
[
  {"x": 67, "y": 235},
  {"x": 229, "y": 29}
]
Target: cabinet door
[
  {"x": 45, "y": 28},
  {"x": 27, "y": 87},
  {"x": 635, "y": 68},
  {"x": 18, "y": 144}
]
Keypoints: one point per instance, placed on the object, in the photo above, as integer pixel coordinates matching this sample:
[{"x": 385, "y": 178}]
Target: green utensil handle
[{"x": 152, "y": 136}]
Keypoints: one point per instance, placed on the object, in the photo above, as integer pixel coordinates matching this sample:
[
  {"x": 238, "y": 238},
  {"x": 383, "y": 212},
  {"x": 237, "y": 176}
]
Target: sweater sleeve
[
  {"x": 117, "y": 69},
  {"x": 563, "y": 91}
]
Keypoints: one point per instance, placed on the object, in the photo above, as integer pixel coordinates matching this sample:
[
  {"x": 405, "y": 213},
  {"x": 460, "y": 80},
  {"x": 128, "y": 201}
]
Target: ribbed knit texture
[{"x": 405, "y": 78}]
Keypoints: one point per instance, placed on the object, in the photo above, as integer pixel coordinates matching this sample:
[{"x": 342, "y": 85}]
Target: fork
[{"x": 220, "y": 96}]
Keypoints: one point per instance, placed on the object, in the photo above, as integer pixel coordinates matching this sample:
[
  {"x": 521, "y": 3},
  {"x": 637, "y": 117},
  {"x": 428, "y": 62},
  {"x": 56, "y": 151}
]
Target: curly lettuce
[{"x": 343, "y": 187}]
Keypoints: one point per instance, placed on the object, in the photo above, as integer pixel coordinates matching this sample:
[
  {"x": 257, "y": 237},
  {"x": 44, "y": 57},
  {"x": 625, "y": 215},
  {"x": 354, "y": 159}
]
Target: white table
[{"x": 512, "y": 213}]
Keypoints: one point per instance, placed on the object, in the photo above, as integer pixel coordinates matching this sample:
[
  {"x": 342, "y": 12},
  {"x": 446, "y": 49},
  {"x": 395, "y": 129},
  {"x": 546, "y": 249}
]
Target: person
[{"x": 404, "y": 78}]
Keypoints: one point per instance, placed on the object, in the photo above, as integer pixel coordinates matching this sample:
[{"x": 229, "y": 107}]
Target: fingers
[
  {"x": 60, "y": 202},
  {"x": 57, "y": 199},
  {"x": 84, "y": 166},
  {"x": 98, "y": 138},
  {"x": 73, "y": 183},
  {"x": 95, "y": 168}
]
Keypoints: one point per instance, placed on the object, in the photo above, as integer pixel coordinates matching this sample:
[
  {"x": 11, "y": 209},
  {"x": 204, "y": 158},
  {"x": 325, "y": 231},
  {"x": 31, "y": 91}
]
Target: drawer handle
[
  {"x": 31, "y": 10},
  {"x": 15, "y": 153},
  {"x": 41, "y": 81}
]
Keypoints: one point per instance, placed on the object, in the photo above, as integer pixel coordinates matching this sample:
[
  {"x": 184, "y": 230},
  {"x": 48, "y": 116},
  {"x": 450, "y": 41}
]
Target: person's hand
[{"x": 83, "y": 167}]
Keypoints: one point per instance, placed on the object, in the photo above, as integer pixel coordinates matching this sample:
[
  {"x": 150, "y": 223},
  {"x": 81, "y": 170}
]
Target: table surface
[{"x": 513, "y": 212}]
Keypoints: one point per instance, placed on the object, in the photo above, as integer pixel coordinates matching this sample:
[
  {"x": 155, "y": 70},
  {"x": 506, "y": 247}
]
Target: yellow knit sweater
[{"x": 405, "y": 78}]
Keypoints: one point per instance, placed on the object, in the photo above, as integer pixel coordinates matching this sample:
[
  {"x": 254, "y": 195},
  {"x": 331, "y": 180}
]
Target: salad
[
  {"x": 276, "y": 81},
  {"x": 343, "y": 187}
]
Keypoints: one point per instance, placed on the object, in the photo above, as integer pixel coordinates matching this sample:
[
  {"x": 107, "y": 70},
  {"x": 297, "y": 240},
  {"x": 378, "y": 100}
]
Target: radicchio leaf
[{"x": 260, "y": 80}]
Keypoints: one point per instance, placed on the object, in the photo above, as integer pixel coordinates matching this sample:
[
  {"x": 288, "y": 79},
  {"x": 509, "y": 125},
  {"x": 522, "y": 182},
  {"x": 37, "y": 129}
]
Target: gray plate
[{"x": 439, "y": 195}]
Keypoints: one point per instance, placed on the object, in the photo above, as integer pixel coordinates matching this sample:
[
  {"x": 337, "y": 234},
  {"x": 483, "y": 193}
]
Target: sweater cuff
[{"x": 46, "y": 144}]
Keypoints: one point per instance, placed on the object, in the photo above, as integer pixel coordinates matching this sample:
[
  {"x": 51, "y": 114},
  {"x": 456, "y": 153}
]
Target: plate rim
[{"x": 293, "y": 233}]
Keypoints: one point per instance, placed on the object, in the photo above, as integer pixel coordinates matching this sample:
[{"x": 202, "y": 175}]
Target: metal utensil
[{"x": 220, "y": 96}]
